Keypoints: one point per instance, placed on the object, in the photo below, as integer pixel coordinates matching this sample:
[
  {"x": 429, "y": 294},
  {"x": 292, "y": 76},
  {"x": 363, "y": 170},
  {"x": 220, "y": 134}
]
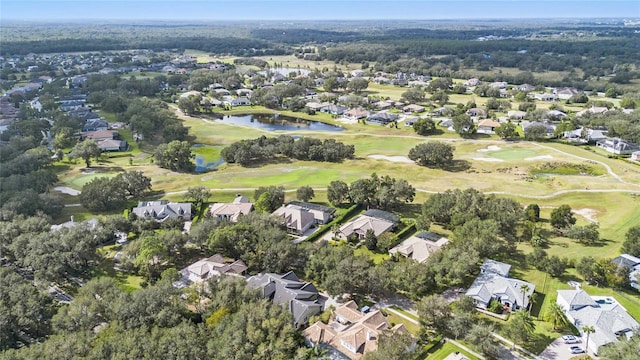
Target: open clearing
[{"x": 589, "y": 214}]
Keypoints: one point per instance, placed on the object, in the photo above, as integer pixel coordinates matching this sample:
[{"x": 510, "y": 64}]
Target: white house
[
  {"x": 493, "y": 283},
  {"x": 607, "y": 317},
  {"x": 617, "y": 146}
]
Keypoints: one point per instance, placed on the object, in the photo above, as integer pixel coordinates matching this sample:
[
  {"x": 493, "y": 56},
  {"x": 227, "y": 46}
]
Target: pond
[
  {"x": 284, "y": 71},
  {"x": 273, "y": 122}
]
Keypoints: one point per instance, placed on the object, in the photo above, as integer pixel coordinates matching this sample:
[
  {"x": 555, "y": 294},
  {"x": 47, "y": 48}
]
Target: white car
[
  {"x": 577, "y": 350},
  {"x": 570, "y": 339}
]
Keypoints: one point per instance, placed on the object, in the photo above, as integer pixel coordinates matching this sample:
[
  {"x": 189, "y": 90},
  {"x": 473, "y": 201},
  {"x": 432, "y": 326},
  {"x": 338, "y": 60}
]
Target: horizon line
[{"x": 86, "y": 20}]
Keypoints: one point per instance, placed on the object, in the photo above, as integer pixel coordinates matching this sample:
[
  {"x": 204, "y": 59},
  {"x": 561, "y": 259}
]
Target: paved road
[{"x": 558, "y": 350}]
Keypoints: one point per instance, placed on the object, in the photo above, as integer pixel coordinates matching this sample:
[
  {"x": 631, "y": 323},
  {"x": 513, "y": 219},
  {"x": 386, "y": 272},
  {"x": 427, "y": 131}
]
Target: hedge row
[{"x": 338, "y": 220}]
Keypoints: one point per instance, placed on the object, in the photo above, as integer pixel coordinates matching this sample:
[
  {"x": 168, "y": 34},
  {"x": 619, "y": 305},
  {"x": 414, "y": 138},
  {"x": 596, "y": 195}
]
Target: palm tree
[
  {"x": 524, "y": 289},
  {"x": 318, "y": 352},
  {"x": 555, "y": 315},
  {"x": 588, "y": 330},
  {"x": 532, "y": 300}
]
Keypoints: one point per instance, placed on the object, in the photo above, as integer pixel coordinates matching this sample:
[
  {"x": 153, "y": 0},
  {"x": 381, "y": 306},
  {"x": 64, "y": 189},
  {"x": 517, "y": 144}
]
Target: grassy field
[
  {"x": 439, "y": 352},
  {"x": 105, "y": 268},
  {"x": 395, "y": 319}
]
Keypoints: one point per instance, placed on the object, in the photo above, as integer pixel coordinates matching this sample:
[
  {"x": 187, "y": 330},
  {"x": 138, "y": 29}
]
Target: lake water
[
  {"x": 273, "y": 122},
  {"x": 284, "y": 71}
]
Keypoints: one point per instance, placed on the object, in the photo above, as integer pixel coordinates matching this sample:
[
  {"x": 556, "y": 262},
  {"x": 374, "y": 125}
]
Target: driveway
[{"x": 558, "y": 350}]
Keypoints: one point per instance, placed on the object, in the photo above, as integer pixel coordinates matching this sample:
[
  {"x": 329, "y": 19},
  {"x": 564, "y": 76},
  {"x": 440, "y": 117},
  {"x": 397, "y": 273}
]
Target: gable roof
[
  {"x": 161, "y": 210},
  {"x": 497, "y": 267},
  {"x": 627, "y": 260},
  {"x": 576, "y": 298},
  {"x": 295, "y": 217}
]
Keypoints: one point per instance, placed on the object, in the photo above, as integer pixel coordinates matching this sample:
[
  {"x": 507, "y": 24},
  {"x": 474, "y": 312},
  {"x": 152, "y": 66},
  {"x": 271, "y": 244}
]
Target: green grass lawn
[
  {"x": 375, "y": 257},
  {"x": 105, "y": 268},
  {"x": 405, "y": 313},
  {"x": 440, "y": 352},
  {"x": 395, "y": 319}
]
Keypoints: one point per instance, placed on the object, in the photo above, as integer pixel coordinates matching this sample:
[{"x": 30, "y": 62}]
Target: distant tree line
[{"x": 262, "y": 149}]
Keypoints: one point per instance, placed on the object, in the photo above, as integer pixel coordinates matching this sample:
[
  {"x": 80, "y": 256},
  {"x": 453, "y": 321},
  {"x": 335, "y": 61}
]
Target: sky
[{"x": 180, "y": 10}]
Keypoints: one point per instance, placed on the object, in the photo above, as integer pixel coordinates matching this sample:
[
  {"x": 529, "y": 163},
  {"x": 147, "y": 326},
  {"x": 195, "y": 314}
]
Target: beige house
[
  {"x": 487, "y": 126},
  {"x": 376, "y": 220},
  {"x": 231, "y": 211},
  {"x": 420, "y": 246},
  {"x": 296, "y": 218},
  {"x": 205, "y": 269},
  {"x": 352, "y": 333}
]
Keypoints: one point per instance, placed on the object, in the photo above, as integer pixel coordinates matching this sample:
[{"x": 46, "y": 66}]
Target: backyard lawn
[{"x": 439, "y": 352}]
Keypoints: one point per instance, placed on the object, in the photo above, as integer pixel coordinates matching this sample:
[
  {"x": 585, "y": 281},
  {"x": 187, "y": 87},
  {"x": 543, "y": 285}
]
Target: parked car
[
  {"x": 570, "y": 339},
  {"x": 577, "y": 350}
]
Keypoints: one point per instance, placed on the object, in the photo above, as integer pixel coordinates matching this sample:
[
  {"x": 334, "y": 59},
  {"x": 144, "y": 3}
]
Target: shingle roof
[
  {"x": 300, "y": 298},
  {"x": 495, "y": 267},
  {"x": 381, "y": 214},
  {"x": 295, "y": 217},
  {"x": 576, "y": 298},
  {"x": 419, "y": 247}
]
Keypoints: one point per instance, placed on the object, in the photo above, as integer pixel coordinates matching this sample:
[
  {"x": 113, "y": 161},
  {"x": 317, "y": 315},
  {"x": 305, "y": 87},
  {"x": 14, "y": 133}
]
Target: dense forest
[{"x": 595, "y": 49}]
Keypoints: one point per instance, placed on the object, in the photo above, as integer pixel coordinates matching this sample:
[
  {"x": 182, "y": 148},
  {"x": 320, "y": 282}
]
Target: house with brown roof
[
  {"x": 100, "y": 135},
  {"x": 487, "y": 126},
  {"x": 356, "y": 114},
  {"x": 231, "y": 211},
  {"x": 476, "y": 112},
  {"x": 352, "y": 333},
  {"x": 413, "y": 108}
]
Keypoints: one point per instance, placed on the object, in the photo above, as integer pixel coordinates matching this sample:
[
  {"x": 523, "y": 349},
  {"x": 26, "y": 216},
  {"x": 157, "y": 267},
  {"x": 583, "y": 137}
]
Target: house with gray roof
[
  {"x": 321, "y": 214},
  {"x": 376, "y": 220},
  {"x": 607, "y": 317},
  {"x": 382, "y": 118},
  {"x": 296, "y": 218},
  {"x": 162, "y": 210},
  {"x": 333, "y": 109},
  {"x": 633, "y": 263},
  {"x": 549, "y": 128},
  {"x": 300, "y": 298},
  {"x": 420, "y": 246},
  {"x": 493, "y": 283},
  {"x": 617, "y": 146}
]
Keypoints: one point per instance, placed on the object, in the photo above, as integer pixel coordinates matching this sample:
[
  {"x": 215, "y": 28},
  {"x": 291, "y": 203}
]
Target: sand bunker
[
  {"x": 490, "y": 148},
  {"x": 541, "y": 157},
  {"x": 589, "y": 214},
  {"x": 398, "y": 159},
  {"x": 67, "y": 190},
  {"x": 488, "y": 159}
]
